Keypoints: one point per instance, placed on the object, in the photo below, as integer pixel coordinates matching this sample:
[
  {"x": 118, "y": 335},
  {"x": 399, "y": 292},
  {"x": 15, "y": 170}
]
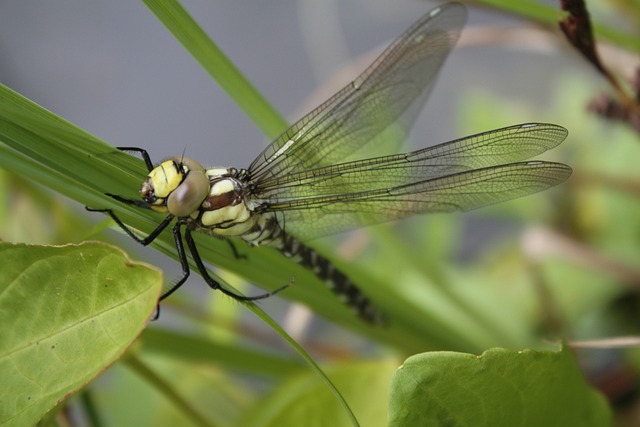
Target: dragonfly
[{"x": 316, "y": 178}]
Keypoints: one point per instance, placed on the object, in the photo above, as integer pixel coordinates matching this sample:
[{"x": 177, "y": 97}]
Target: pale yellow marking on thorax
[{"x": 225, "y": 212}]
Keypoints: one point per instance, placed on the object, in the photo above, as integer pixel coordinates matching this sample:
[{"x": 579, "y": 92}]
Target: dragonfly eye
[{"x": 187, "y": 196}]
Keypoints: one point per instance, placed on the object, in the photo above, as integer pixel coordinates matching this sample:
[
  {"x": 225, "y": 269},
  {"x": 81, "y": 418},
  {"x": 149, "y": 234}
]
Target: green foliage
[
  {"x": 303, "y": 400},
  {"x": 210, "y": 369},
  {"x": 499, "y": 388},
  {"x": 68, "y": 313}
]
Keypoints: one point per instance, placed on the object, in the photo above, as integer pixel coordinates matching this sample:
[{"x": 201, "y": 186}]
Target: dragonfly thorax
[
  {"x": 178, "y": 186},
  {"x": 225, "y": 210}
]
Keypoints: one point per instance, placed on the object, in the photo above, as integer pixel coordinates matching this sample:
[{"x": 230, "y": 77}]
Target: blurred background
[{"x": 568, "y": 258}]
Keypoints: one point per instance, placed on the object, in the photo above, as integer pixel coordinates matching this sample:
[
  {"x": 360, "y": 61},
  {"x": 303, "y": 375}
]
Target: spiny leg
[
  {"x": 186, "y": 271},
  {"x": 147, "y": 240},
  {"x": 212, "y": 283},
  {"x": 143, "y": 153},
  {"x": 182, "y": 255}
]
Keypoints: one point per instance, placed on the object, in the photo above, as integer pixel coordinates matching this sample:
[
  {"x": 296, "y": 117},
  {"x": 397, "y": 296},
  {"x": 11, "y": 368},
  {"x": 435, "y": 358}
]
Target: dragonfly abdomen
[
  {"x": 335, "y": 279},
  {"x": 268, "y": 232}
]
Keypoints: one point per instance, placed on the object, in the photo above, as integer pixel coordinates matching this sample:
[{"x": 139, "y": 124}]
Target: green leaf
[
  {"x": 303, "y": 400},
  {"x": 67, "y": 313},
  {"x": 499, "y": 388}
]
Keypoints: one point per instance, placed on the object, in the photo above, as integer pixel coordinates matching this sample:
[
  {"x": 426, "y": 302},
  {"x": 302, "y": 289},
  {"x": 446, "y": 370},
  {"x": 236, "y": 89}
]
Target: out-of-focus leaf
[{"x": 303, "y": 400}]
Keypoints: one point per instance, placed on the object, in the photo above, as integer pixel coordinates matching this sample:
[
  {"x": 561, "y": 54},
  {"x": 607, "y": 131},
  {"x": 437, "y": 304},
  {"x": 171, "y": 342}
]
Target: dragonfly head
[{"x": 178, "y": 186}]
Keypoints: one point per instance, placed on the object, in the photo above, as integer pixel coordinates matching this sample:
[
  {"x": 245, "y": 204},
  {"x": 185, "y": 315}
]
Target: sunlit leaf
[
  {"x": 499, "y": 388},
  {"x": 67, "y": 313}
]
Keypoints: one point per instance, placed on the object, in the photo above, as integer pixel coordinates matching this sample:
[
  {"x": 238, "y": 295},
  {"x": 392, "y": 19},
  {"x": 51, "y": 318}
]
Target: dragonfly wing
[
  {"x": 311, "y": 217},
  {"x": 492, "y": 148},
  {"x": 381, "y": 104}
]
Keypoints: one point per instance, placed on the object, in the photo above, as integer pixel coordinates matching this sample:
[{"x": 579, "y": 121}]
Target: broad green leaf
[
  {"x": 67, "y": 314},
  {"x": 499, "y": 388},
  {"x": 304, "y": 400}
]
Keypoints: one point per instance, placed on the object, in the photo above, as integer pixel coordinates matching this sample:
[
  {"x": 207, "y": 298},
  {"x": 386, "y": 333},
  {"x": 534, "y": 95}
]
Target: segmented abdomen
[
  {"x": 267, "y": 231},
  {"x": 335, "y": 279}
]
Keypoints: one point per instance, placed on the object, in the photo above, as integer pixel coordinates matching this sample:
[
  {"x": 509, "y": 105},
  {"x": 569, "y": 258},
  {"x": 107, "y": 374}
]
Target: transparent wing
[
  {"x": 462, "y": 174},
  {"x": 318, "y": 216},
  {"x": 492, "y": 148},
  {"x": 379, "y": 106}
]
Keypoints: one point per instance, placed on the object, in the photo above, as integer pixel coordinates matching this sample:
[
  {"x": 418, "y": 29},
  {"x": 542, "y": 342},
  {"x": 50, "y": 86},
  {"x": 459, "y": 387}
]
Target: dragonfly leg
[
  {"x": 143, "y": 241},
  {"x": 212, "y": 283},
  {"x": 236, "y": 254},
  {"x": 182, "y": 255},
  {"x": 143, "y": 153}
]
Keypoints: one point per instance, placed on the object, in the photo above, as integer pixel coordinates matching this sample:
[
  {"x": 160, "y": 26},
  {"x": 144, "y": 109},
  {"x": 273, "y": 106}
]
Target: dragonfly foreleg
[{"x": 143, "y": 153}]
